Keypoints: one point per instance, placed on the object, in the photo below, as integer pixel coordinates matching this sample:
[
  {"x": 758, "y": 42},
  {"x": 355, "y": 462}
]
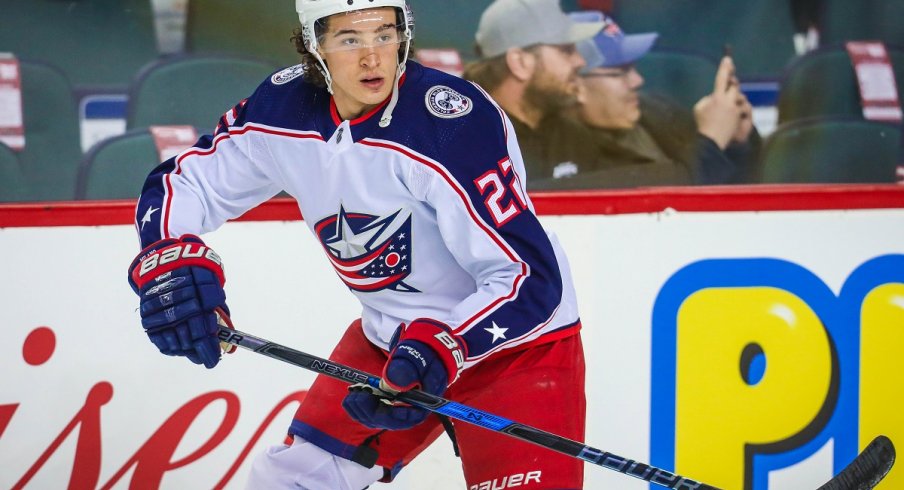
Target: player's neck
[{"x": 350, "y": 109}]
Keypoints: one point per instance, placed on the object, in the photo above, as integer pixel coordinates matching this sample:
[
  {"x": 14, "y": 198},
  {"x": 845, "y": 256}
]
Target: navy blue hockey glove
[
  {"x": 180, "y": 285},
  {"x": 425, "y": 355}
]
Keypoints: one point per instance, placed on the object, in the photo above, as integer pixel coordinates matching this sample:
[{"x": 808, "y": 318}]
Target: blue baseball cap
[{"x": 611, "y": 47}]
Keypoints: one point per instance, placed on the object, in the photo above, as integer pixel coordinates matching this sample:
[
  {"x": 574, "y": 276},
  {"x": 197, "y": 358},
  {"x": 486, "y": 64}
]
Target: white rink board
[{"x": 73, "y": 280}]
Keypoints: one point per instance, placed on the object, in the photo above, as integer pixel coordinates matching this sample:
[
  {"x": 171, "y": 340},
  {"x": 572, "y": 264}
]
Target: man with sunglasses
[
  {"x": 529, "y": 64},
  {"x": 412, "y": 182},
  {"x": 631, "y": 138}
]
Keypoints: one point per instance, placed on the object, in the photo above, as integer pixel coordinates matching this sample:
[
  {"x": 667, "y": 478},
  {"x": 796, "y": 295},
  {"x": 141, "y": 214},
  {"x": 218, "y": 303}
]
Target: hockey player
[{"x": 413, "y": 183}]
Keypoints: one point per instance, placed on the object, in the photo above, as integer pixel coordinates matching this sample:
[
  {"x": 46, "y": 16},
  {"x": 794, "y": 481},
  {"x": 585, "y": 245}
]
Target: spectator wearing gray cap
[
  {"x": 635, "y": 139},
  {"x": 529, "y": 65}
]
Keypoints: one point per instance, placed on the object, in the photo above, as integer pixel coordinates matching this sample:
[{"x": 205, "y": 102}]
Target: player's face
[
  {"x": 609, "y": 97},
  {"x": 361, "y": 51}
]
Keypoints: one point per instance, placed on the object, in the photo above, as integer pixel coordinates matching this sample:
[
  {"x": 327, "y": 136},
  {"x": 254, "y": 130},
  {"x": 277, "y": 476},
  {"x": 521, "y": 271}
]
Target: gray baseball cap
[{"x": 509, "y": 24}]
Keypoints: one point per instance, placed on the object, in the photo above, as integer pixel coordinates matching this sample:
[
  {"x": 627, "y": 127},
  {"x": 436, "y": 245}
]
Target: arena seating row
[
  {"x": 178, "y": 90},
  {"x": 104, "y": 42},
  {"x": 110, "y": 45},
  {"x": 96, "y": 43},
  {"x": 825, "y": 150},
  {"x": 47, "y": 164},
  {"x": 196, "y": 90},
  {"x": 759, "y": 32},
  {"x": 837, "y": 150},
  {"x": 117, "y": 167}
]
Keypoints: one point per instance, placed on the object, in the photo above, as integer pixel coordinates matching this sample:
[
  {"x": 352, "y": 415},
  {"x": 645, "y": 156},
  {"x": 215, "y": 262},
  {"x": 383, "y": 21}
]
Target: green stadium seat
[
  {"x": 96, "y": 43},
  {"x": 52, "y": 148},
  {"x": 192, "y": 90},
  {"x": 823, "y": 83},
  {"x": 116, "y": 168},
  {"x": 832, "y": 150},
  {"x": 448, "y": 24},
  {"x": 760, "y": 32},
  {"x": 223, "y": 26},
  {"x": 12, "y": 182},
  {"x": 683, "y": 77},
  {"x": 878, "y": 20},
  {"x": 261, "y": 29}
]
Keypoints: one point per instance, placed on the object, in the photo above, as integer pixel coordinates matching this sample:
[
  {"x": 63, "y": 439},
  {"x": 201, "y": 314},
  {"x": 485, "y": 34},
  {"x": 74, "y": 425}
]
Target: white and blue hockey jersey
[{"x": 425, "y": 218}]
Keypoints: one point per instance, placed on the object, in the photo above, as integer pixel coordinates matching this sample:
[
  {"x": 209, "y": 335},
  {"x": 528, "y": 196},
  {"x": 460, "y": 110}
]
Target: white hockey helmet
[{"x": 311, "y": 11}]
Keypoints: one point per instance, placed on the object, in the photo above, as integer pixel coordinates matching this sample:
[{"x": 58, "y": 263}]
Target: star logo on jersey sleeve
[
  {"x": 147, "y": 216},
  {"x": 497, "y": 331}
]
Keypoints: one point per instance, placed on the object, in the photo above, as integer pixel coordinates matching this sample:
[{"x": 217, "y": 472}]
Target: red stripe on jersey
[
  {"x": 337, "y": 119},
  {"x": 451, "y": 183},
  {"x": 169, "y": 202},
  {"x": 343, "y": 266},
  {"x": 319, "y": 226},
  {"x": 213, "y": 148},
  {"x": 279, "y": 132},
  {"x": 522, "y": 336},
  {"x": 546, "y": 338},
  {"x": 516, "y": 284},
  {"x": 370, "y": 285}
]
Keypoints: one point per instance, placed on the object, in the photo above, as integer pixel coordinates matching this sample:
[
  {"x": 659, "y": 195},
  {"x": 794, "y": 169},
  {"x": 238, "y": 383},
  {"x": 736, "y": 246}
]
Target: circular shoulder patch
[
  {"x": 287, "y": 75},
  {"x": 444, "y": 102}
]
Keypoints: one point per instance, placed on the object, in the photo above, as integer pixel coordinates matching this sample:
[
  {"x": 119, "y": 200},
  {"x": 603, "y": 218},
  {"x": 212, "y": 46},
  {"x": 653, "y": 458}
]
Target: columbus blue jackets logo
[
  {"x": 287, "y": 75},
  {"x": 370, "y": 253},
  {"x": 444, "y": 102}
]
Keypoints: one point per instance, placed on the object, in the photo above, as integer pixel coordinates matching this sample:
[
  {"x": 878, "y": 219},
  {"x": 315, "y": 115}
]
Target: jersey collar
[{"x": 337, "y": 120}]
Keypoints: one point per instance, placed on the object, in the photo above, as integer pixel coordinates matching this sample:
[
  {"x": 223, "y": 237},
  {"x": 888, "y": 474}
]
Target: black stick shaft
[
  {"x": 868, "y": 469},
  {"x": 467, "y": 414},
  {"x": 864, "y": 473}
]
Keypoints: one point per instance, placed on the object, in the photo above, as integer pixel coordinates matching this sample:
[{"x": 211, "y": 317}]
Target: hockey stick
[
  {"x": 868, "y": 469},
  {"x": 465, "y": 413},
  {"x": 862, "y": 474}
]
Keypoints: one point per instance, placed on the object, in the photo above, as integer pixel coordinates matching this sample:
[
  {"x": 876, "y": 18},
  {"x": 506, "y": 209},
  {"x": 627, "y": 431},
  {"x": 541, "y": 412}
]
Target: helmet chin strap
[
  {"x": 393, "y": 99},
  {"x": 386, "y": 119},
  {"x": 323, "y": 71}
]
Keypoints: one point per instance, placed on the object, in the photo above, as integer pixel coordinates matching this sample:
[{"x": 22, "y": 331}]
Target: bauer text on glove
[
  {"x": 425, "y": 355},
  {"x": 180, "y": 284}
]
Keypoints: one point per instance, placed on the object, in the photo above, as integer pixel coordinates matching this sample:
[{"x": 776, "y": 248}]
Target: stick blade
[{"x": 867, "y": 469}]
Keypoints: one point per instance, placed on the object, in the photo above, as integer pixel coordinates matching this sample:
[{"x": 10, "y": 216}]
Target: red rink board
[{"x": 642, "y": 200}]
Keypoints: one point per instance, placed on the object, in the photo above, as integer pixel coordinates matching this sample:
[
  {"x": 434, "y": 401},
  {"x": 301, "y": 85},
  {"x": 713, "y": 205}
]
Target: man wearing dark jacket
[
  {"x": 529, "y": 64},
  {"x": 618, "y": 137}
]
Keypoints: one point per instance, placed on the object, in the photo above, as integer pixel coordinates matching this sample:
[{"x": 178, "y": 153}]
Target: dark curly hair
[
  {"x": 312, "y": 73},
  {"x": 488, "y": 73}
]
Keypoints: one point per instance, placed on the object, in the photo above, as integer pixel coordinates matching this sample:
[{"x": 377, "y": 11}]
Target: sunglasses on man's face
[{"x": 614, "y": 72}]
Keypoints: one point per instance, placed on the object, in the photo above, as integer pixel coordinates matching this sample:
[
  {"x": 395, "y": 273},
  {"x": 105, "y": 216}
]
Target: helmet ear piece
[
  {"x": 408, "y": 20},
  {"x": 309, "y": 37}
]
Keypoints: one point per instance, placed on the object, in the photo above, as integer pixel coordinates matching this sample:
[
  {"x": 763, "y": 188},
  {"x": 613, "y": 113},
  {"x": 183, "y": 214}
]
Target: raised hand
[{"x": 720, "y": 115}]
